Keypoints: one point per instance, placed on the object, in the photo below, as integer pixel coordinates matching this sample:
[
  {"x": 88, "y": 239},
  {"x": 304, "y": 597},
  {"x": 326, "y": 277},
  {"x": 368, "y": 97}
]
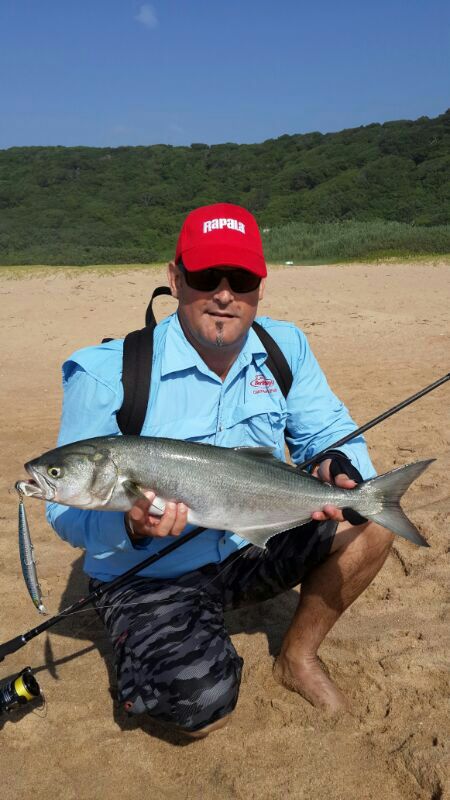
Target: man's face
[{"x": 214, "y": 319}]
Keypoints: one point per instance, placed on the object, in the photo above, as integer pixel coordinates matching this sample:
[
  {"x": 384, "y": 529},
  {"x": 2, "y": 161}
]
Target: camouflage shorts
[{"x": 174, "y": 657}]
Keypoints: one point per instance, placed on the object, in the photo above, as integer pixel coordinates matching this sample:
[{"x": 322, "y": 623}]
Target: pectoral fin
[{"x": 134, "y": 492}]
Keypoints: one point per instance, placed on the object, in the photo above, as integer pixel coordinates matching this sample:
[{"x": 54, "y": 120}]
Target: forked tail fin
[{"x": 388, "y": 489}]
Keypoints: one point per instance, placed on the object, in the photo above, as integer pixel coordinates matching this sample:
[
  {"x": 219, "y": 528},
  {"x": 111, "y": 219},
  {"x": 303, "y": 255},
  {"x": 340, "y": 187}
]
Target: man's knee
[
  {"x": 370, "y": 537},
  {"x": 214, "y": 726},
  {"x": 378, "y": 537},
  {"x": 191, "y": 705}
]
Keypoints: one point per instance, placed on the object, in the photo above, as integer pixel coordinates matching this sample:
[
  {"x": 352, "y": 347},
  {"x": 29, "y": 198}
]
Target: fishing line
[
  {"x": 41, "y": 710},
  {"x": 11, "y": 646},
  {"x": 118, "y": 604}
]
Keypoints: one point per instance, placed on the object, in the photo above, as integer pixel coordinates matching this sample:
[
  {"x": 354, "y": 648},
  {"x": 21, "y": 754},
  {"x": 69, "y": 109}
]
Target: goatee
[{"x": 219, "y": 334}]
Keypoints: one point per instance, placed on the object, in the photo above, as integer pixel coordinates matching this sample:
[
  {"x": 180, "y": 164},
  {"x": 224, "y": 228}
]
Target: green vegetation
[
  {"x": 329, "y": 242},
  {"x": 377, "y": 190}
]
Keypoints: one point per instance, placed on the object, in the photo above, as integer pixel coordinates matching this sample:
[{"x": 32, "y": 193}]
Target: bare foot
[{"x": 307, "y": 677}]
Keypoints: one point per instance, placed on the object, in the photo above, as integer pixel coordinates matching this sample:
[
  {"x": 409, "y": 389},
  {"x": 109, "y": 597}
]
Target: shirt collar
[{"x": 179, "y": 354}]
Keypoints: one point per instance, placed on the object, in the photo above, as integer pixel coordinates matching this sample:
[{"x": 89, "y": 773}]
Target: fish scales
[
  {"x": 220, "y": 485},
  {"x": 205, "y": 477},
  {"x": 244, "y": 490}
]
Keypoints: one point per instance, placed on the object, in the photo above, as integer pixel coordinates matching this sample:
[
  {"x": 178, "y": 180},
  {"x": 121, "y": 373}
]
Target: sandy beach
[{"x": 381, "y": 332}]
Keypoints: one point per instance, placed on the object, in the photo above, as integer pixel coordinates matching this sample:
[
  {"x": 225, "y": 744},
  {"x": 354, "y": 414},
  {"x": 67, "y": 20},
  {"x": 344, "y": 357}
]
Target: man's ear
[
  {"x": 173, "y": 277},
  {"x": 262, "y": 286}
]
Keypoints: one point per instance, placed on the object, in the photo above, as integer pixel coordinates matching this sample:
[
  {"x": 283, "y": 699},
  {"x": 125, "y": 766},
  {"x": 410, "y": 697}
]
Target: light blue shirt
[{"x": 189, "y": 401}]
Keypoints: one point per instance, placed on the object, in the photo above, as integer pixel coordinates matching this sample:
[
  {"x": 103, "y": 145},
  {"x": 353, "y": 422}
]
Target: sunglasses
[{"x": 208, "y": 280}]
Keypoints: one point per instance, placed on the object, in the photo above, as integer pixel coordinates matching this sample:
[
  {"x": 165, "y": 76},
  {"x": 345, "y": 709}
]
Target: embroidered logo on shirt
[
  {"x": 218, "y": 224},
  {"x": 263, "y": 385}
]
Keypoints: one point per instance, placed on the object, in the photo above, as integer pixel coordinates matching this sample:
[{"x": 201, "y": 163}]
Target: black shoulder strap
[
  {"x": 137, "y": 371},
  {"x": 137, "y": 368},
  {"x": 276, "y": 360}
]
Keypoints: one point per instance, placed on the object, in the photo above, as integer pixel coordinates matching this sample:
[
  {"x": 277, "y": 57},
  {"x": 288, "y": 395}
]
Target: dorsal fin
[
  {"x": 268, "y": 454},
  {"x": 259, "y": 452}
]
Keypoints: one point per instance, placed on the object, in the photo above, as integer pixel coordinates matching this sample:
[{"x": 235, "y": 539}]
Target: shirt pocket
[{"x": 262, "y": 425}]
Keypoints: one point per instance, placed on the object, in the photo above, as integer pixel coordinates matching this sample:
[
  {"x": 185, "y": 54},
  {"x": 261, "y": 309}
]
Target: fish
[
  {"x": 27, "y": 560},
  {"x": 245, "y": 490}
]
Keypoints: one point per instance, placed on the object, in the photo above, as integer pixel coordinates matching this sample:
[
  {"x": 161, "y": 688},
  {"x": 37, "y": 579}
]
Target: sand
[{"x": 381, "y": 332}]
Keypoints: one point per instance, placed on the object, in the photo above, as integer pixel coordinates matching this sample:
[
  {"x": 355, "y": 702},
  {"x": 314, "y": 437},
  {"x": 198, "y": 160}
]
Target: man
[{"x": 210, "y": 384}]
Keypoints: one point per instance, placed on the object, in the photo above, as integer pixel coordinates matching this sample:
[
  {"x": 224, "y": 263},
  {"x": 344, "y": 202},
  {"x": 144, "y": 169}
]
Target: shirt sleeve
[
  {"x": 89, "y": 406},
  {"x": 100, "y": 532},
  {"x": 317, "y": 418},
  {"x": 89, "y": 409}
]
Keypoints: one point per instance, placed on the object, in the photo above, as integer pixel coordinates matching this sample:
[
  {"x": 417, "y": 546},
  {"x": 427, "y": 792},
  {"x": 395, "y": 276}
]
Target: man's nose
[{"x": 223, "y": 292}]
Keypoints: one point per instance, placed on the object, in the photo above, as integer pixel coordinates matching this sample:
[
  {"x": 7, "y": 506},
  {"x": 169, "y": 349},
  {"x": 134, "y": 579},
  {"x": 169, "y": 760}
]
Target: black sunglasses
[{"x": 207, "y": 280}]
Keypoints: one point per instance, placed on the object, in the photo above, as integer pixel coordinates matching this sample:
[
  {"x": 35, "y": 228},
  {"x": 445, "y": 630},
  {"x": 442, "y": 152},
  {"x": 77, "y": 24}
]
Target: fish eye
[{"x": 55, "y": 472}]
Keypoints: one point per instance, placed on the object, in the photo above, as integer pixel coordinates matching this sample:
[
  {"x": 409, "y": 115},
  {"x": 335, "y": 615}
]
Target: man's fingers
[
  {"x": 139, "y": 511},
  {"x": 328, "y": 512},
  {"x": 161, "y": 526},
  {"x": 181, "y": 519},
  {"x": 172, "y": 522},
  {"x": 344, "y": 482},
  {"x": 324, "y": 474}
]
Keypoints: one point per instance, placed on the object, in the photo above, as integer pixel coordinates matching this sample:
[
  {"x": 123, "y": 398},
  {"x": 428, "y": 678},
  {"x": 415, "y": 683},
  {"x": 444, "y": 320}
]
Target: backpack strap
[
  {"x": 137, "y": 371},
  {"x": 150, "y": 320},
  {"x": 137, "y": 368},
  {"x": 276, "y": 360}
]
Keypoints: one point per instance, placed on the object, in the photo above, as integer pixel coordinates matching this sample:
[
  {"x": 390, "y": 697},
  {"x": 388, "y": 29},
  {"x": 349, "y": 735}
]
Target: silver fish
[
  {"x": 244, "y": 490},
  {"x": 27, "y": 560}
]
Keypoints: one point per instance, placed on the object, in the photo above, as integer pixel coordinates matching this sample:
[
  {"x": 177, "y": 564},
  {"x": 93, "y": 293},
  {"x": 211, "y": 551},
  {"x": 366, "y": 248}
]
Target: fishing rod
[
  {"x": 377, "y": 420},
  {"x": 20, "y": 641}
]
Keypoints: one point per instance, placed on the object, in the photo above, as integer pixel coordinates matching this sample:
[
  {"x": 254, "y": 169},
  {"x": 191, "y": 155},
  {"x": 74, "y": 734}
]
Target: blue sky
[{"x": 119, "y": 72}]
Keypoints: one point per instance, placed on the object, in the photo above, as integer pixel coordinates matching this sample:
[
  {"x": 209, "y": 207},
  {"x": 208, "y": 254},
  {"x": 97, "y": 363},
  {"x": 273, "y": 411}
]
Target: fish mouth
[{"x": 36, "y": 486}]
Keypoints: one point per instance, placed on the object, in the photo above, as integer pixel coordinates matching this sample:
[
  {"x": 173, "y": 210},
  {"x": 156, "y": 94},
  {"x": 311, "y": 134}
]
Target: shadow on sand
[{"x": 270, "y": 617}]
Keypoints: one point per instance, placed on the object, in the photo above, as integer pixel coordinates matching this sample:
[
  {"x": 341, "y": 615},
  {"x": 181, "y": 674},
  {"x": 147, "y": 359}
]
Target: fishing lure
[{"x": 27, "y": 560}]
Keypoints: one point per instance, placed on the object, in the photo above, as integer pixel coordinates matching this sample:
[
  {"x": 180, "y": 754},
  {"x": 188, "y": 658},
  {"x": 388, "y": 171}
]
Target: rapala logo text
[
  {"x": 218, "y": 224},
  {"x": 263, "y": 385}
]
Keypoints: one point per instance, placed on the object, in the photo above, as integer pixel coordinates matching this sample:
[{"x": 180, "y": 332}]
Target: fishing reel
[{"x": 18, "y": 691}]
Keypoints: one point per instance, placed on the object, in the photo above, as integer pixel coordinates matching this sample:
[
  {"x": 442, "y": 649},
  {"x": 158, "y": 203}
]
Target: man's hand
[
  {"x": 322, "y": 472},
  {"x": 143, "y": 524}
]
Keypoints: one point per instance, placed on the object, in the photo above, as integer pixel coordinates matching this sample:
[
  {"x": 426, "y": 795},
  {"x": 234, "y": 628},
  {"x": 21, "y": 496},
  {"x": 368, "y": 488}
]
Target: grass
[
  {"x": 299, "y": 242},
  {"x": 326, "y": 243}
]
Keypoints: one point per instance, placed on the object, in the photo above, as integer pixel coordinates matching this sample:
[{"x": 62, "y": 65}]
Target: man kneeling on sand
[{"x": 210, "y": 383}]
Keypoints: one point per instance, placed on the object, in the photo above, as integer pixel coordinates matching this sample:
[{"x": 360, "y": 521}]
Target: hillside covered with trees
[{"x": 81, "y": 205}]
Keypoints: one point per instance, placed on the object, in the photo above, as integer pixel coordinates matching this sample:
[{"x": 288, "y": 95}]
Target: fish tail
[{"x": 388, "y": 490}]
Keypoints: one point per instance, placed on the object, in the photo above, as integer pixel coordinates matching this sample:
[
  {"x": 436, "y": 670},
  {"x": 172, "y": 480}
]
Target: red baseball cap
[{"x": 221, "y": 235}]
